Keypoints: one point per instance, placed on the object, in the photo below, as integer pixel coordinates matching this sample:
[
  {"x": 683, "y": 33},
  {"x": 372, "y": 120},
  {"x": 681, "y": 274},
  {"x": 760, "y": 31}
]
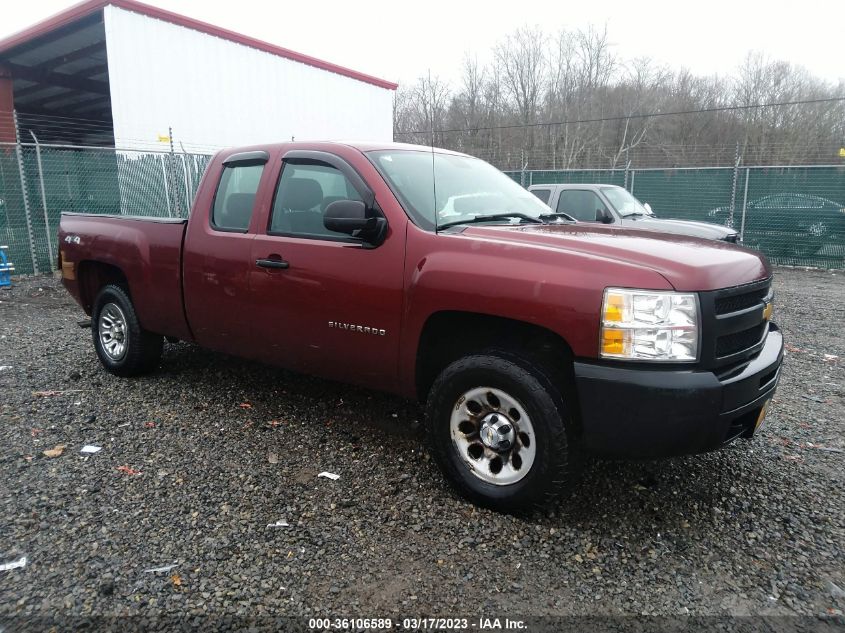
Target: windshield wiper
[
  {"x": 563, "y": 216},
  {"x": 488, "y": 218}
]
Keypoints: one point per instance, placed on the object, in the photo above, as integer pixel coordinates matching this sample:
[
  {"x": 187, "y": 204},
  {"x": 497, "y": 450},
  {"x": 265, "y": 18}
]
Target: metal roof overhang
[
  {"x": 93, "y": 10},
  {"x": 60, "y": 76},
  {"x": 62, "y": 71}
]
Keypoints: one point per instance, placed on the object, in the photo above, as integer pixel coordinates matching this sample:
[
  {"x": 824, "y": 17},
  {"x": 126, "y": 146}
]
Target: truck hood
[
  {"x": 679, "y": 227},
  {"x": 687, "y": 263}
]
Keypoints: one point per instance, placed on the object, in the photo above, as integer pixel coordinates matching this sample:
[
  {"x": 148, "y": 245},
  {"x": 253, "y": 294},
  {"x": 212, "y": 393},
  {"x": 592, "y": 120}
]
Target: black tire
[
  {"x": 142, "y": 349},
  {"x": 553, "y": 468}
]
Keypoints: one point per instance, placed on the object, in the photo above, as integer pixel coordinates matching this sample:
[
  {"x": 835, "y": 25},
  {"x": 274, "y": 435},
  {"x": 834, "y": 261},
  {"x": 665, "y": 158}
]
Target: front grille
[
  {"x": 739, "y": 341},
  {"x": 735, "y": 303},
  {"x": 734, "y": 326}
]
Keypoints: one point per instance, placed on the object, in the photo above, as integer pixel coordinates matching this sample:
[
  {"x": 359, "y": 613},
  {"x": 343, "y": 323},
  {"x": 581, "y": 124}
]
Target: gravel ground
[{"x": 201, "y": 456}]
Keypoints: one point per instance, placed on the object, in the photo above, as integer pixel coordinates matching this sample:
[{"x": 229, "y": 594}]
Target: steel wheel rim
[
  {"x": 111, "y": 328},
  {"x": 476, "y": 424}
]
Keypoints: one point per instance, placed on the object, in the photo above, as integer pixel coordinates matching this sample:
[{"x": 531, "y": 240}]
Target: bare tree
[
  {"x": 596, "y": 62},
  {"x": 639, "y": 92},
  {"x": 582, "y": 69},
  {"x": 521, "y": 58},
  {"x": 421, "y": 109},
  {"x": 466, "y": 110},
  {"x": 565, "y": 101},
  {"x": 783, "y": 134},
  {"x": 472, "y": 92},
  {"x": 570, "y": 101}
]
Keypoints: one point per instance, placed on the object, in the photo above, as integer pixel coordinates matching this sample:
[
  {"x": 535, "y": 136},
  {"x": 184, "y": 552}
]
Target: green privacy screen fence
[
  {"x": 793, "y": 214},
  {"x": 38, "y": 183}
]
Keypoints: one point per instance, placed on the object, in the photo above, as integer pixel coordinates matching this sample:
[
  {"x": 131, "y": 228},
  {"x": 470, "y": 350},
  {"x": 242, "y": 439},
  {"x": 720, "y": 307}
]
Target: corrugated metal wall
[{"x": 216, "y": 93}]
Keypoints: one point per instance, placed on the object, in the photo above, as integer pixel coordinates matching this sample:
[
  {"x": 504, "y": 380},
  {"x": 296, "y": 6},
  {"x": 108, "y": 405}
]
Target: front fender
[{"x": 556, "y": 290}]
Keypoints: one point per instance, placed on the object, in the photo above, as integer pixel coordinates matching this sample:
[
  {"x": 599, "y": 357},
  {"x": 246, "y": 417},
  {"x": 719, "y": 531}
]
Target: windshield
[
  {"x": 466, "y": 187},
  {"x": 624, "y": 203}
]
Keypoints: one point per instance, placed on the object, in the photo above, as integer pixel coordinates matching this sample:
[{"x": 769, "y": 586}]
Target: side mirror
[
  {"x": 603, "y": 216},
  {"x": 647, "y": 207},
  {"x": 352, "y": 217}
]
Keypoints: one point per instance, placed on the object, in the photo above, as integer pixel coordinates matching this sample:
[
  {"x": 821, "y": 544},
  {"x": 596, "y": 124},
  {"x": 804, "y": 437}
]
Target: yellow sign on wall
[
  {"x": 163, "y": 139},
  {"x": 842, "y": 152}
]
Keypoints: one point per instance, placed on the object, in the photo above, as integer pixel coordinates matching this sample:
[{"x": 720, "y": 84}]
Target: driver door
[{"x": 330, "y": 305}]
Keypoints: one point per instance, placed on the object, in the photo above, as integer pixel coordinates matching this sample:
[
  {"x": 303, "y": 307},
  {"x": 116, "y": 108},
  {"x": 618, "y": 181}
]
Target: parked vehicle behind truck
[
  {"x": 788, "y": 224},
  {"x": 530, "y": 339},
  {"x": 610, "y": 204}
]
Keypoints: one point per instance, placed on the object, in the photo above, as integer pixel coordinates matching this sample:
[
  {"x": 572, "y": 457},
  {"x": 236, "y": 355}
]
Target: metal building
[{"x": 122, "y": 73}]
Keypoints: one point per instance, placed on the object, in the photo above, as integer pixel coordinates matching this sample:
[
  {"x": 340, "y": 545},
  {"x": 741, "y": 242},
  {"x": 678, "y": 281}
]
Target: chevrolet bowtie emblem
[{"x": 767, "y": 311}]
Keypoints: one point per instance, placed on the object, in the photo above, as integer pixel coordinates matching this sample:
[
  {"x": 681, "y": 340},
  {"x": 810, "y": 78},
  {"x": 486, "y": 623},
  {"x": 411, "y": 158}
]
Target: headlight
[{"x": 649, "y": 325}]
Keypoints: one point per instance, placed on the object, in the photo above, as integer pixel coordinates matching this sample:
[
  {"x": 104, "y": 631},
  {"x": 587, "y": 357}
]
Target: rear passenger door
[
  {"x": 216, "y": 260},
  {"x": 323, "y": 302}
]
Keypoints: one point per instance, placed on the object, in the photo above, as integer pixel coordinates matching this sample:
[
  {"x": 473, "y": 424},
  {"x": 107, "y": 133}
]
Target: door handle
[{"x": 272, "y": 263}]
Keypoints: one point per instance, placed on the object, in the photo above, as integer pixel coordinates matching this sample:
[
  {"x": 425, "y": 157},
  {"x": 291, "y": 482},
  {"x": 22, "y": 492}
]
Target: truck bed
[{"x": 147, "y": 250}]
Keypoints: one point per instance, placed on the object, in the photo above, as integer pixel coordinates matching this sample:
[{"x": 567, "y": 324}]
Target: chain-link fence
[
  {"x": 39, "y": 182},
  {"x": 793, "y": 214}
]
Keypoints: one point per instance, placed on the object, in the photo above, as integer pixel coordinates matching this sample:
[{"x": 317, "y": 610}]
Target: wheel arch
[
  {"x": 93, "y": 276},
  {"x": 449, "y": 335}
]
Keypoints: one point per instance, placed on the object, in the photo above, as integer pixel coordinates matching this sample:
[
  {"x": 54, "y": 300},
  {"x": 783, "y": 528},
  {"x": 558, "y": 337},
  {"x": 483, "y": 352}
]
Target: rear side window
[
  {"x": 542, "y": 194},
  {"x": 235, "y": 197},
  {"x": 581, "y": 204}
]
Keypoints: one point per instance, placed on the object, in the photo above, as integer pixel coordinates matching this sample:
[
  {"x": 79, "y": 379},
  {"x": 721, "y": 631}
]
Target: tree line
[{"x": 568, "y": 100}]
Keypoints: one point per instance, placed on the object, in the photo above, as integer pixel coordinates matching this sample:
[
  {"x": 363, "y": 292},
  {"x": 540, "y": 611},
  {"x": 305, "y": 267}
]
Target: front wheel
[
  {"x": 124, "y": 348},
  {"x": 496, "y": 427}
]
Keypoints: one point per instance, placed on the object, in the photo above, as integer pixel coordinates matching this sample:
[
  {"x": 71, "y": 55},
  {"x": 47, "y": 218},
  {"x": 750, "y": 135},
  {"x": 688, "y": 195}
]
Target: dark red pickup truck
[{"x": 529, "y": 337}]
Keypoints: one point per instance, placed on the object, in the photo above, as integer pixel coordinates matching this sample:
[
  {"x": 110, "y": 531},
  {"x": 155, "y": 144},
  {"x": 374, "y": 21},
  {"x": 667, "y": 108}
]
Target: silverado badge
[{"x": 338, "y": 325}]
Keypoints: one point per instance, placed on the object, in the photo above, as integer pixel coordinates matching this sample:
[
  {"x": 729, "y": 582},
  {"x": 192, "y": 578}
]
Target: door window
[
  {"x": 542, "y": 194},
  {"x": 235, "y": 197},
  {"x": 305, "y": 191},
  {"x": 581, "y": 204}
]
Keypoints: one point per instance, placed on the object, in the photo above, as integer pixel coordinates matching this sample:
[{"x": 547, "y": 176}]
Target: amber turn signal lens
[{"x": 613, "y": 341}]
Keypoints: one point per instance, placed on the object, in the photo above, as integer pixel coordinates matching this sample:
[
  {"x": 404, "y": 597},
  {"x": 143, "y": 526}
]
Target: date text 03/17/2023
[{"x": 418, "y": 624}]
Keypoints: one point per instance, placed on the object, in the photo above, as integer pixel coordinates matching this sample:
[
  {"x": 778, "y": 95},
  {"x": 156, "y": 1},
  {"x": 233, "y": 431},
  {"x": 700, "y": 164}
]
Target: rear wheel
[
  {"x": 496, "y": 426},
  {"x": 124, "y": 348}
]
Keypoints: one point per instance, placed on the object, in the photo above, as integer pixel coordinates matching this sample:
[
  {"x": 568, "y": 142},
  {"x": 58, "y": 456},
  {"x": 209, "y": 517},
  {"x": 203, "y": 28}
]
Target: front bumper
[{"x": 644, "y": 413}]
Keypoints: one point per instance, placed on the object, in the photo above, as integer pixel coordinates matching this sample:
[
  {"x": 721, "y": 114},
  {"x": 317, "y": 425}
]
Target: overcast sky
[{"x": 400, "y": 40}]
